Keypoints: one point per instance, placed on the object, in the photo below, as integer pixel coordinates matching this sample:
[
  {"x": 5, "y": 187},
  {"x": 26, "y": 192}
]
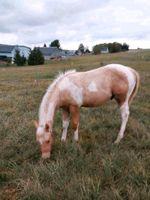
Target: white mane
[
  {"x": 45, "y": 104},
  {"x": 58, "y": 78}
]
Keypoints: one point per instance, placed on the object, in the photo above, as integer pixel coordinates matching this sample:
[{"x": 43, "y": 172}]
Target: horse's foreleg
[
  {"x": 65, "y": 116},
  {"x": 75, "y": 121},
  {"x": 124, "y": 117}
]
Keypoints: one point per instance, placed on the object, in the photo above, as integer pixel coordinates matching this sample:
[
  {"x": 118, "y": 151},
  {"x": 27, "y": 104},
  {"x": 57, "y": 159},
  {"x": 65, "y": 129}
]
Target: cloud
[{"x": 34, "y": 22}]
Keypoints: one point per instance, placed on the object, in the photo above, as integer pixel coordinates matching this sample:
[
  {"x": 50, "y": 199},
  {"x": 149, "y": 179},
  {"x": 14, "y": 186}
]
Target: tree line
[
  {"x": 112, "y": 47},
  {"x": 36, "y": 57}
]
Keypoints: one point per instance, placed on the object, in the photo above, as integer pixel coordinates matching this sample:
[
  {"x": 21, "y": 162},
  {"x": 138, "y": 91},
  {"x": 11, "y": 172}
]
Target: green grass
[{"x": 94, "y": 168}]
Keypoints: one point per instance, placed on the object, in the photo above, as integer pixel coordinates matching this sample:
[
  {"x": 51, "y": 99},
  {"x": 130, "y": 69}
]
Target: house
[
  {"x": 69, "y": 53},
  {"x": 47, "y": 52},
  {"x": 104, "y": 50},
  {"x": 7, "y": 52},
  {"x": 55, "y": 53}
]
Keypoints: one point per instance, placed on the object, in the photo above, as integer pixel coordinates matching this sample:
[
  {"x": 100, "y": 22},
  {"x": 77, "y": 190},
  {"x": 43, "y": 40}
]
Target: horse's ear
[{"x": 36, "y": 124}]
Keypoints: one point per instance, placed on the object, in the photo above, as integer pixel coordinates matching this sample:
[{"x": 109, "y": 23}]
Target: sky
[{"x": 35, "y": 22}]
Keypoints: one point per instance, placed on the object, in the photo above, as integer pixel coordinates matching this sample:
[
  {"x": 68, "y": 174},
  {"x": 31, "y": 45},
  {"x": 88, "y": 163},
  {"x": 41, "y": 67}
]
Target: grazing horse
[{"x": 93, "y": 88}]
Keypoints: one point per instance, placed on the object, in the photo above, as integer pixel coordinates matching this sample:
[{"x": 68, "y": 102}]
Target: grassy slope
[{"x": 92, "y": 169}]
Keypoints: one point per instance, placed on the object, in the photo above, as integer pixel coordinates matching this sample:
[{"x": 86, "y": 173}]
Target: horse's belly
[{"x": 95, "y": 99}]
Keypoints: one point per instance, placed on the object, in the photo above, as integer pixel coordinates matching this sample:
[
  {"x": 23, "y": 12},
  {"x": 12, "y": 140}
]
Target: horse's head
[{"x": 44, "y": 137}]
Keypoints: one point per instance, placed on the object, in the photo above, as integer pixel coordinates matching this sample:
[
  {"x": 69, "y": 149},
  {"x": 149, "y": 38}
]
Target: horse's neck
[
  {"x": 48, "y": 108},
  {"x": 51, "y": 111}
]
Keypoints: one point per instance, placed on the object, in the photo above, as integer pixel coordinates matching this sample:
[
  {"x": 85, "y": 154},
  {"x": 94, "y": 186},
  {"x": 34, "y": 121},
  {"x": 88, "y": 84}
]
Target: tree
[
  {"x": 35, "y": 57},
  {"x": 55, "y": 43},
  {"x": 125, "y": 47},
  {"x": 96, "y": 49},
  {"x": 81, "y": 48},
  {"x": 44, "y": 45},
  {"x": 18, "y": 59},
  {"x": 116, "y": 47}
]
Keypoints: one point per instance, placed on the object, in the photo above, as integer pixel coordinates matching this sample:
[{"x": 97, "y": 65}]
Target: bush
[
  {"x": 125, "y": 47},
  {"x": 18, "y": 59},
  {"x": 35, "y": 57}
]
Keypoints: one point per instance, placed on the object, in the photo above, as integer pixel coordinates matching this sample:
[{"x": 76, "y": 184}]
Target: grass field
[{"x": 93, "y": 169}]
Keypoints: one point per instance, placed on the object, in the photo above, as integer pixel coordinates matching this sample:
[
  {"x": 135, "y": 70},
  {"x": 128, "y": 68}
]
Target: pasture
[{"x": 93, "y": 169}]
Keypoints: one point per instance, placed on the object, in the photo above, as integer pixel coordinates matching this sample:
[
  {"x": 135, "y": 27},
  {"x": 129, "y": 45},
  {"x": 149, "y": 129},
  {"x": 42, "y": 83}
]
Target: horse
[{"x": 72, "y": 90}]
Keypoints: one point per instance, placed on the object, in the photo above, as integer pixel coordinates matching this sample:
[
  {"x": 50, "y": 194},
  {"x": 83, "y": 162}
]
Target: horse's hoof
[
  {"x": 63, "y": 140},
  {"x": 76, "y": 140},
  {"x": 116, "y": 142}
]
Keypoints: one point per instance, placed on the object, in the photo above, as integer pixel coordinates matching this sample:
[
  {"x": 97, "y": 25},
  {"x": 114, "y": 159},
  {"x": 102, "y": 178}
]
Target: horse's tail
[{"x": 137, "y": 78}]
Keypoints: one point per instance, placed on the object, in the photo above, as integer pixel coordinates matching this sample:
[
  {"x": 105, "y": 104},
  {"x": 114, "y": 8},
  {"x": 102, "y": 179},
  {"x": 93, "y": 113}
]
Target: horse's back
[{"x": 95, "y": 87}]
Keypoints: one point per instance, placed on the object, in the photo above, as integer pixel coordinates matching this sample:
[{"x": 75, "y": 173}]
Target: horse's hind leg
[
  {"x": 124, "y": 108},
  {"x": 65, "y": 117}
]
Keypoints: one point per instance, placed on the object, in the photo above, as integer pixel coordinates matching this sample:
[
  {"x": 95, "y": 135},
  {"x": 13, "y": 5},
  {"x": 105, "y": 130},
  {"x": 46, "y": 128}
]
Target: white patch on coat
[
  {"x": 92, "y": 87},
  {"x": 65, "y": 124},
  {"x": 65, "y": 128},
  {"x": 124, "y": 116},
  {"x": 58, "y": 78},
  {"x": 76, "y": 134},
  {"x": 75, "y": 92},
  {"x": 128, "y": 73}
]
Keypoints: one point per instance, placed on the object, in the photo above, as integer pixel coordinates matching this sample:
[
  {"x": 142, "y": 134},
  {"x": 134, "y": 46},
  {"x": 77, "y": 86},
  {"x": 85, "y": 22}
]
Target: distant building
[
  {"x": 47, "y": 52},
  {"x": 104, "y": 50},
  {"x": 8, "y": 51},
  {"x": 55, "y": 53}
]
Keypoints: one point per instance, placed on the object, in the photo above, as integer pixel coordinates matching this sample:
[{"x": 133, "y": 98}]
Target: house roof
[
  {"x": 55, "y": 52},
  {"x": 48, "y": 51},
  {"x": 6, "y": 48},
  {"x": 59, "y": 53}
]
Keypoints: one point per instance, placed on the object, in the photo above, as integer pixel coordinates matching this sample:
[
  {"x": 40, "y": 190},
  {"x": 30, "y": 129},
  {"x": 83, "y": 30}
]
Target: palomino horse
[{"x": 72, "y": 90}]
